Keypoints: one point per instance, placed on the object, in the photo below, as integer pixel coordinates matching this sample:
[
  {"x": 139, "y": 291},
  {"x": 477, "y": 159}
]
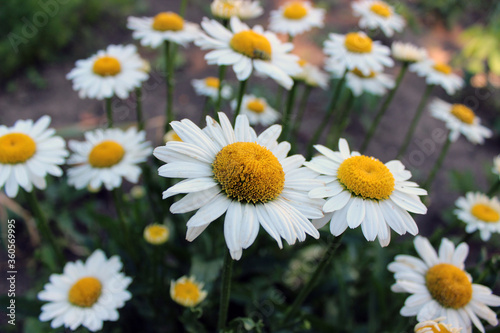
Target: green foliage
[{"x": 481, "y": 53}]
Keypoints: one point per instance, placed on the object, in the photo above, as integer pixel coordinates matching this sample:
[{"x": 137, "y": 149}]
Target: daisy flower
[
  {"x": 460, "y": 119},
  {"x": 165, "y": 26},
  {"x": 364, "y": 191},
  {"x": 439, "y": 74},
  {"x": 248, "y": 49},
  {"x": 28, "y": 152},
  {"x": 441, "y": 287},
  {"x": 86, "y": 294},
  {"x": 171, "y": 136},
  {"x": 187, "y": 292},
  {"x": 243, "y": 9},
  {"x": 375, "y": 14},
  {"x": 435, "y": 326},
  {"x": 296, "y": 17},
  {"x": 156, "y": 234},
  {"x": 496, "y": 165},
  {"x": 356, "y": 50},
  {"x": 257, "y": 110},
  {"x": 106, "y": 156},
  {"x": 209, "y": 87},
  {"x": 479, "y": 213},
  {"x": 311, "y": 75},
  {"x": 247, "y": 177},
  {"x": 407, "y": 52}
]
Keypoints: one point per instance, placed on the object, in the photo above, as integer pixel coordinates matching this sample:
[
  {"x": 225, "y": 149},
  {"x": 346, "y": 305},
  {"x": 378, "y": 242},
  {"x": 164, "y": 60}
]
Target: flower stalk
[
  {"x": 109, "y": 112},
  {"x": 227, "y": 272},
  {"x": 438, "y": 164},
  {"x": 241, "y": 92},
  {"x": 290, "y": 102},
  {"x": 169, "y": 68}
]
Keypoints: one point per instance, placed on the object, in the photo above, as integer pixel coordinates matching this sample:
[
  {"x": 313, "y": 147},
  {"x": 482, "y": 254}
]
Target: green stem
[
  {"x": 109, "y": 112},
  {"x": 241, "y": 92},
  {"x": 301, "y": 111},
  {"x": 227, "y": 272},
  {"x": 384, "y": 108},
  {"x": 121, "y": 216},
  {"x": 438, "y": 164},
  {"x": 222, "y": 75},
  {"x": 205, "y": 110},
  {"x": 182, "y": 11},
  {"x": 279, "y": 98},
  {"x": 494, "y": 188},
  {"x": 138, "y": 108},
  {"x": 415, "y": 121},
  {"x": 169, "y": 67},
  {"x": 336, "y": 133},
  {"x": 288, "y": 112}
]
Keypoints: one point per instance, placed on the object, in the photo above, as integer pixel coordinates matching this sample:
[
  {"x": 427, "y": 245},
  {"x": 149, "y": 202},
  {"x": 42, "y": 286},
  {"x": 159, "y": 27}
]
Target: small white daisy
[
  {"x": 375, "y": 14},
  {"x": 359, "y": 83},
  {"x": 28, "y": 152},
  {"x": 209, "y": 87},
  {"x": 312, "y": 75},
  {"x": 439, "y": 74},
  {"x": 296, "y": 17},
  {"x": 156, "y": 234},
  {"x": 257, "y": 110},
  {"x": 407, "y": 52},
  {"x": 171, "y": 136},
  {"x": 441, "y": 287},
  {"x": 114, "y": 71},
  {"x": 86, "y": 294},
  {"x": 106, "y": 156},
  {"x": 165, "y": 26},
  {"x": 479, "y": 213},
  {"x": 460, "y": 119},
  {"x": 247, "y": 49},
  {"x": 248, "y": 178},
  {"x": 356, "y": 50},
  {"x": 496, "y": 165},
  {"x": 361, "y": 190},
  {"x": 187, "y": 292},
  {"x": 436, "y": 326},
  {"x": 243, "y": 9}
]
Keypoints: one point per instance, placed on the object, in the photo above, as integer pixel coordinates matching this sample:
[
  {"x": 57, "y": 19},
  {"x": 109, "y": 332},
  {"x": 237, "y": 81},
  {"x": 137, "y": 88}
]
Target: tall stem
[
  {"x": 182, "y": 11},
  {"x": 288, "y": 111},
  {"x": 121, "y": 216},
  {"x": 222, "y": 74},
  {"x": 494, "y": 188},
  {"x": 384, "y": 107},
  {"x": 301, "y": 111},
  {"x": 438, "y": 164},
  {"x": 109, "y": 112},
  {"x": 241, "y": 92},
  {"x": 205, "y": 109},
  {"x": 342, "y": 123},
  {"x": 138, "y": 108},
  {"x": 169, "y": 67},
  {"x": 227, "y": 272},
  {"x": 415, "y": 120}
]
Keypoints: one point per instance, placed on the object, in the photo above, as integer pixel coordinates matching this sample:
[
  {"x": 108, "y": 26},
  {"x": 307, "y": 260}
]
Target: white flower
[
  {"x": 436, "y": 325},
  {"x": 247, "y": 177},
  {"x": 356, "y": 50},
  {"x": 296, "y": 17},
  {"x": 359, "y": 83},
  {"x": 209, "y": 87},
  {"x": 479, "y": 213},
  {"x": 106, "y": 156},
  {"x": 441, "y": 287},
  {"x": 156, "y": 234},
  {"x": 312, "y": 75},
  {"x": 165, "y": 26},
  {"x": 247, "y": 49},
  {"x": 378, "y": 14},
  {"x": 460, "y": 119},
  {"x": 243, "y": 9},
  {"x": 496, "y": 165},
  {"x": 171, "y": 136},
  {"x": 408, "y": 52},
  {"x": 28, "y": 152},
  {"x": 257, "y": 110},
  {"x": 361, "y": 190},
  {"x": 86, "y": 294},
  {"x": 187, "y": 292},
  {"x": 439, "y": 74},
  {"x": 114, "y": 71}
]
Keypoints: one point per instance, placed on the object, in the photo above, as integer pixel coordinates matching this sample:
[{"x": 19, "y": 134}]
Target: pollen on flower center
[
  {"x": 106, "y": 154},
  {"x": 187, "y": 290},
  {"x": 295, "y": 11},
  {"x": 449, "y": 285},
  {"x": 358, "y": 43},
  {"x": 212, "y": 82},
  {"x": 16, "y": 148},
  {"x": 302, "y": 62},
  {"x": 249, "y": 172},
  {"x": 251, "y": 44},
  {"x": 463, "y": 113},
  {"x": 366, "y": 177},
  {"x": 107, "y": 66},
  {"x": 168, "y": 21},
  {"x": 357, "y": 72},
  {"x": 85, "y": 292},
  {"x": 381, "y": 9},
  {"x": 485, "y": 213},
  {"x": 256, "y": 106},
  {"x": 443, "y": 68}
]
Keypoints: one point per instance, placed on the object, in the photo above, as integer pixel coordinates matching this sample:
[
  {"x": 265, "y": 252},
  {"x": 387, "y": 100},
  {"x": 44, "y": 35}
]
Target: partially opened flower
[
  {"x": 480, "y": 213},
  {"x": 460, "y": 119},
  {"x": 296, "y": 17},
  {"x": 156, "y": 234},
  {"x": 209, "y": 87},
  {"x": 365, "y": 192},
  {"x": 187, "y": 292},
  {"x": 436, "y": 326},
  {"x": 29, "y": 151},
  {"x": 165, "y": 26},
  {"x": 376, "y": 14},
  {"x": 311, "y": 75},
  {"x": 437, "y": 73},
  {"x": 114, "y": 71},
  {"x": 247, "y": 49},
  {"x": 243, "y": 9},
  {"x": 86, "y": 294},
  {"x": 257, "y": 110},
  {"x": 407, "y": 52},
  {"x": 374, "y": 83},
  {"x": 248, "y": 178},
  {"x": 496, "y": 165},
  {"x": 107, "y": 156},
  {"x": 440, "y": 286}
]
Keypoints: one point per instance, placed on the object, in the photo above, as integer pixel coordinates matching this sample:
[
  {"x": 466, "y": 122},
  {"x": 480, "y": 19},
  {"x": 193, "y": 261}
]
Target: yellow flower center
[
  {"x": 256, "y": 105},
  {"x": 168, "y": 21},
  {"x": 16, "y": 148},
  {"x": 251, "y": 44},
  {"x": 358, "y": 43},
  {"x": 357, "y": 72},
  {"x": 434, "y": 328},
  {"x": 485, "y": 213},
  {"x": 156, "y": 234},
  {"x": 107, "y": 66},
  {"x": 212, "y": 82},
  {"x": 443, "y": 68},
  {"x": 186, "y": 291},
  {"x": 302, "y": 62},
  {"x": 449, "y": 286},
  {"x": 381, "y": 8},
  {"x": 463, "y": 113},
  {"x": 106, "y": 154},
  {"x": 248, "y": 171},
  {"x": 85, "y": 292},
  {"x": 295, "y": 11},
  {"x": 366, "y": 177}
]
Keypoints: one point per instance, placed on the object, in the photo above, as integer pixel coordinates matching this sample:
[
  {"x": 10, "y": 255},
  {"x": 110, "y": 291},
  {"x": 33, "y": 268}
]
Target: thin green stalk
[
  {"x": 494, "y": 188},
  {"x": 138, "y": 108},
  {"x": 415, "y": 121},
  {"x": 205, "y": 109},
  {"x": 241, "y": 92},
  {"x": 121, "y": 215},
  {"x": 288, "y": 112},
  {"x": 227, "y": 272},
  {"x": 169, "y": 67},
  {"x": 336, "y": 133},
  {"x": 182, "y": 11},
  {"x": 437, "y": 166},
  {"x": 301, "y": 111},
  {"x": 109, "y": 112},
  {"x": 222, "y": 75},
  {"x": 279, "y": 98},
  {"x": 384, "y": 107}
]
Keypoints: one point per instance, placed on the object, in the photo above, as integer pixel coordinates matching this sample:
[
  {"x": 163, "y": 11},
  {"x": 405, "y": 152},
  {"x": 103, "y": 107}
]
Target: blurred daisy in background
[
  {"x": 187, "y": 292},
  {"x": 376, "y": 14},
  {"x": 86, "y": 294},
  {"x": 436, "y": 326},
  {"x": 107, "y": 156},
  {"x": 479, "y": 213},
  {"x": 209, "y": 87},
  {"x": 296, "y": 17},
  {"x": 362, "y": 191},
  {"x": 171, "y": 136},
  {"x": 29, "y": 151},
  {"x": 374, "y": 83},
  {"x": 156, "y": 234},
  {"x": 311, "y": 75},
  {"x": 243, "y": 9},
  {"x": 460, "y": 119},
  {"x": 114, "y": 71},
  {"x": 496, "y": 165},
  {"x": 257, "y": 110},
  {"x": 440, "y": 286},
  {"x": 438, "y": 73},
  {"x": 407, "y": 52}
]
